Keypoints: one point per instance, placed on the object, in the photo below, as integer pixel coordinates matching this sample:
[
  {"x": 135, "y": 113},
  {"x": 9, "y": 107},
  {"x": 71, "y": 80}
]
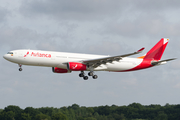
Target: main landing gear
[
  {"x": 82, "y": 74},
  {"x": 20, "y": 69}
]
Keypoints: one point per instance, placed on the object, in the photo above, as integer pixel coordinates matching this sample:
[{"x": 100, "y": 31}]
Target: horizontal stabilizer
[{"x": 161, "y": 62}]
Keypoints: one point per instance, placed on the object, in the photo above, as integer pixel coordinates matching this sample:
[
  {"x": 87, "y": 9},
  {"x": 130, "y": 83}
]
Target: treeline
[{"x": 134, "y": 111}]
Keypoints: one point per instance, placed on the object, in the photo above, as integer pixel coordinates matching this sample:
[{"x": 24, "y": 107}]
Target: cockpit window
[{"x": 10, "y": 53}]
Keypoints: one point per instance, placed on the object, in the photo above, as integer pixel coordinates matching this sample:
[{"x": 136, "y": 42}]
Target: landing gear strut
[{"x": 20, "y": 69}]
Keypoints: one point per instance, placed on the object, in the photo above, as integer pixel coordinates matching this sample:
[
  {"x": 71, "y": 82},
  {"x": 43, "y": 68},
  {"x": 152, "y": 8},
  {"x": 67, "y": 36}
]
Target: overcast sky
[{"x": 107, "y": 27}]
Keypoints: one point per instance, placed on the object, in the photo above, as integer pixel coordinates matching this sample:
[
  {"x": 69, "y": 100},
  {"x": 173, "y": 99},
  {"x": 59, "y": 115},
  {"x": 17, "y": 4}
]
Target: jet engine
[
  {"x": 60, "y": 70},
  {"x": 74, "y": 66}
]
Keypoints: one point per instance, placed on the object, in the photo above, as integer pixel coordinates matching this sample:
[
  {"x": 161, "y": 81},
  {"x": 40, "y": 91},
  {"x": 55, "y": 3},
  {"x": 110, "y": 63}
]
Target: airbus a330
[{"x": 63, "y": 62}]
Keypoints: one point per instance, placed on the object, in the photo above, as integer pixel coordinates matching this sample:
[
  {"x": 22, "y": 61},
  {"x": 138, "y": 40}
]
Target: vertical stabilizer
[{"x": 157, "y": 51}]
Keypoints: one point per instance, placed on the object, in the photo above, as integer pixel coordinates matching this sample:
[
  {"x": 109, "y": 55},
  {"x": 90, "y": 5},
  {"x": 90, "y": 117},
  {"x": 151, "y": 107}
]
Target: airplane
[{"x": 63, "y": 62}]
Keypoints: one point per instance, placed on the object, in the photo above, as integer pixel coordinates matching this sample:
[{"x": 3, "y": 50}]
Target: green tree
[
  {"x": 72, "y": 115},
  {"x": 59, "y": 116},
  {"x": 32, "y": 112},
  {"x": 161, "y": 116},
  {"x": 81, "y": 118},
  {"x": 102, "y": 117},
  {"x": 7, "y": 115},
  {"x": 17, "y": 111},
  {"x": 119, "y": 117},
  {"x": 103, "y": 110},
  {"x": 25, "y": 116},
  {"x": 75, "y": 106},
  {"x": 42, "y": 117},
  {"x": 84, "y": 112},
  {"x": 136, "y": 105},
  {"x": 47, "y": 110},
  {"x": 90, "y": 118},
  {"x": 13, "y": 108},
  {"x": 122, "y": 117},
  {"x": 90, "y": 110},
  {"x": 96, "y": 114}
]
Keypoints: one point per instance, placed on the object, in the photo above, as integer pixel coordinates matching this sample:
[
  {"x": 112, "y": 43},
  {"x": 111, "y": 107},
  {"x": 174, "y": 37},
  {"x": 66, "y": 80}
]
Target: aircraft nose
[{"x": 5, "y": 56}]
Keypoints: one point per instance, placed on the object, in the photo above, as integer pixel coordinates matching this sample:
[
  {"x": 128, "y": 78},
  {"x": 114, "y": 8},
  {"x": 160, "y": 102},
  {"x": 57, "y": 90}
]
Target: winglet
[{"x": 140, "y": 50}]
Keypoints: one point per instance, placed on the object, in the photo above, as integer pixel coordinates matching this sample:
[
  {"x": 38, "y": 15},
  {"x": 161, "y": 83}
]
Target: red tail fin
[{"x": 157, "y": 51}]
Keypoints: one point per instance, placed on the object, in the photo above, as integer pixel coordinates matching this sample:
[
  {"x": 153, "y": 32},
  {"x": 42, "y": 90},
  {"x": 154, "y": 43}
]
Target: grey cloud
[
  {"x": 154, "y": 5},
  {"x": 109, "y": 47},
  {"x": 71, "y": 10},
  {"x": 93, "y": 9},
  {"x": 3, "y": 14},
  {"x": 144, "y": 25},
  {"x": 18, "y": 38},
  {"x": 175, "y": 65}
]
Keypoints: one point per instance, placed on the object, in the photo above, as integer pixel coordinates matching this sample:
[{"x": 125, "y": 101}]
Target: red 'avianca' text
[{"x": 39, "y": 55}]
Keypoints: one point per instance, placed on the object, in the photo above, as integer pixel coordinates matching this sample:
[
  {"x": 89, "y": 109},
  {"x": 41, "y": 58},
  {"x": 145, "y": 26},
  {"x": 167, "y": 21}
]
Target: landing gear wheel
[
  {"x": 85, "y": 77},
  {"x": 20, "y": 69},
  {"x": 95, "y": 77},
  {"x": 90, "y": 73},
  {"x": 81, "y": 75}
]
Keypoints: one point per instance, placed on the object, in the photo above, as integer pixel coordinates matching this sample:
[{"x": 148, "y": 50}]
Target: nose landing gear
[{"x": 20, "y": 69}]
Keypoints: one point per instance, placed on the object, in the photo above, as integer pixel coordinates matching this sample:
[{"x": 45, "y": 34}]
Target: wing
[{"x": 97, "y": 62}]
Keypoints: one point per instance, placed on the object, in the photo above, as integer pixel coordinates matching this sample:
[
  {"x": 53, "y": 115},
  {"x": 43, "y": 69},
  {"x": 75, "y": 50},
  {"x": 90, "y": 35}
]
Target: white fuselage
[{"x": 58, "y": 59}]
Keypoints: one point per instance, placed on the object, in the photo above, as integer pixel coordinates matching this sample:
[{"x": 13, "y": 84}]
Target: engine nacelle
[
  {"x": 74, "y": 66},
  {"x": 60, "y": 70}
]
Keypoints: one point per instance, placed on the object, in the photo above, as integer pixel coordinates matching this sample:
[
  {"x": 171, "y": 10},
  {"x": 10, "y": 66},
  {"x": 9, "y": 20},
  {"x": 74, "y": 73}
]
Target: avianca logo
[
  {"x": 75, "y": 67},
  {"x": 38, "y": 55},
  {"x": 26, "y": 54}
]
